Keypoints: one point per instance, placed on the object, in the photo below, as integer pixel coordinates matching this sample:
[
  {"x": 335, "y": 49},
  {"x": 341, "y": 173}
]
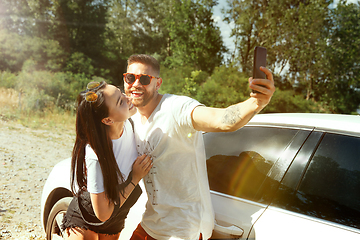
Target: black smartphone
[{"x": 259, "y": 61}]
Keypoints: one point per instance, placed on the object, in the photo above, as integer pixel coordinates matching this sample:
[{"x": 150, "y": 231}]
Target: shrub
[
  {"x": 289, "y": 102},
  {"x": 44, "y": 89},
  {"x": 226, "y": 86},
  {"x": 7, "y": 79}
]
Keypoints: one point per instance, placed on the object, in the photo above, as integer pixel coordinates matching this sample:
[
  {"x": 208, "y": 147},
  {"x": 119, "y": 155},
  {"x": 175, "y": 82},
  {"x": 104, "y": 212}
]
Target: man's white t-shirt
[
  {"x": 179, "y": 204},
  {"x": 125, "y": 154}
]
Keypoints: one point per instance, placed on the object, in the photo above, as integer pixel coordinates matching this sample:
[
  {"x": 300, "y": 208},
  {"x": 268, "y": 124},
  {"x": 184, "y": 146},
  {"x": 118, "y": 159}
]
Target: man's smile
[{"x": 137, "y": 93}]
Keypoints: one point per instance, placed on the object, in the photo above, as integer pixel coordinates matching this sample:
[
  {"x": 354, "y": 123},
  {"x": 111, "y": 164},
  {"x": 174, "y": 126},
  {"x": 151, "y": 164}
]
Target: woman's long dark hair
[{"x": 90, "y": 130}]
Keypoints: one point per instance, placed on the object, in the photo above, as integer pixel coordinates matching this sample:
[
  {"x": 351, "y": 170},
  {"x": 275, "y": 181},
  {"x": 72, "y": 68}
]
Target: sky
[{"x": 225, "y": 28}]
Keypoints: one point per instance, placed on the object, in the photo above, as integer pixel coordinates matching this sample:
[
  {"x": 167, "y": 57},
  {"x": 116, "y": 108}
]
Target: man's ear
[
  {"x": 158, "y": 83},
  {"x": 107, "y": 121}
]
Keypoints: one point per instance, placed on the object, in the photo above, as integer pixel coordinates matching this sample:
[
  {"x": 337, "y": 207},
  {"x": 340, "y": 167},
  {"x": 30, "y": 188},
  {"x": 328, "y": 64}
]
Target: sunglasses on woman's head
[
  {"x": 144, "y": 79},
  {"x": 90, "y": 95}
]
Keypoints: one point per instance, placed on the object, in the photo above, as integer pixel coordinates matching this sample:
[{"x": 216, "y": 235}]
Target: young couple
[{"x": 164, "y": 146}]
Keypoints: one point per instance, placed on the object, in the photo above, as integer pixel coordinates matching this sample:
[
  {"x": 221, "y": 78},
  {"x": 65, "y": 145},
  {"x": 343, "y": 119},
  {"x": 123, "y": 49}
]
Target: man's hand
[{"x": 265, "y": 92}]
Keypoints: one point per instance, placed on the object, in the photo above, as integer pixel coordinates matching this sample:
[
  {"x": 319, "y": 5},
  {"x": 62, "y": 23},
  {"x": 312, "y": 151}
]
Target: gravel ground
[{"x": 26, "y": 158}]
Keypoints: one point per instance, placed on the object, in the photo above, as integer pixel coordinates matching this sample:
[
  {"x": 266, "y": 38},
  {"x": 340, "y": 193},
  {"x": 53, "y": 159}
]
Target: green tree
[
  {"x": 24, "y": 35},
  {"x": 15, "y": 49},
  {"x": 340, "y": 90},
  {"x": 194, "y": 38},
  {"x": 305, "y": 44},
  {"x": 177, "y": 32},
  {"x": 80, "y": 27},
  {"x": 224, "y": 87},
  {"x": 41, "y": 16},
  {"x": 288, "y": 101},
  {"x": 129, "y": 31},
  {"x": 79, "y": 63},
  {"x": 176, "y": 80},
  {"x": 120, "y": 24},
  {"x": 245, "y": 16},
  {"x": 292, "y": 31},
  {"x": 17, "y": 17},
  {"x": 151, "y": 31}
]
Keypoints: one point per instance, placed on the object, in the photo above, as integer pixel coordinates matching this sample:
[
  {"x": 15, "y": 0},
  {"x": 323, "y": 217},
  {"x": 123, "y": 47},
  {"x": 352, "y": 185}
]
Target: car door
[
  {"x": 244, "y": 169},
  {"x": 319, "y": 197}
]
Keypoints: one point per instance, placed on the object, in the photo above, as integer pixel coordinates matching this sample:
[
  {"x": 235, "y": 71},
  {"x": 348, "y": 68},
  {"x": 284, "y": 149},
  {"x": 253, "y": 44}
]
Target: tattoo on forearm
[{"x": 232, "y": 115}]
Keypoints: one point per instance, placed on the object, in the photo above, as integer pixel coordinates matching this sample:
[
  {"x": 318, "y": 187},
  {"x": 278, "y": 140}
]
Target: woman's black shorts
[{"x": 81, "y": 214}]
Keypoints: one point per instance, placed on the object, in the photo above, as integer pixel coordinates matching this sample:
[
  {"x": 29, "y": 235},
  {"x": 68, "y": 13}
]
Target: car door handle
[{"x": 231, "y": 230}]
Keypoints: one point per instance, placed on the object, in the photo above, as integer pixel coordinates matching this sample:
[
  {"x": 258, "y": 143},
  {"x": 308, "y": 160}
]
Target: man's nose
[{"x": 137, "y": 82}]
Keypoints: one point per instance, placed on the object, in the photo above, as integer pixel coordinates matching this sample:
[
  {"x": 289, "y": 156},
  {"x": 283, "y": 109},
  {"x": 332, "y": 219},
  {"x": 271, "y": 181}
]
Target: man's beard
[{"x": 145, "y": 99}]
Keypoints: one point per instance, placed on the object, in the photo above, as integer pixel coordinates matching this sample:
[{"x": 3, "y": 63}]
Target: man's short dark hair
[{"x": 145, "y": 59}]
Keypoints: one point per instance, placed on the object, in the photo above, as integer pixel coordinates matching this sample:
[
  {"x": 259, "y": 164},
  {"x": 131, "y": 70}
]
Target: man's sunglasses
[
  {"x": 144, "y": 79},
  {"x": 90, "y": 94}
]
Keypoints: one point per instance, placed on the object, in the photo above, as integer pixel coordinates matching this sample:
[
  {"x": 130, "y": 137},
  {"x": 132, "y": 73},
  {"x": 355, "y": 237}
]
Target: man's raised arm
[{"x": 229, "y": 119}]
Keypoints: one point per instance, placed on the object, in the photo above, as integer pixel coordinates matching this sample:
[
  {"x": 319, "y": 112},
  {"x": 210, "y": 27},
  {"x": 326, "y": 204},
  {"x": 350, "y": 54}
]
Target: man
[{"x": 168, "y": 128}]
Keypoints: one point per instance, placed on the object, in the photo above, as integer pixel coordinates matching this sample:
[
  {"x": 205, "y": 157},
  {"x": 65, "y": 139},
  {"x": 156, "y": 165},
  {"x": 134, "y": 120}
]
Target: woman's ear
[{"x": 107, "y": 121}]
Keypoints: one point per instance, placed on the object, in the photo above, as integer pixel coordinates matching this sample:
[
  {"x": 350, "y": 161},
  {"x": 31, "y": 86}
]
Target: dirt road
[{"x": 26, "y": 158}]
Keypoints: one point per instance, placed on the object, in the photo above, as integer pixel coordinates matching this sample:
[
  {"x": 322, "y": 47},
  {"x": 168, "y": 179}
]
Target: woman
[{"x": 103, "y": 165}]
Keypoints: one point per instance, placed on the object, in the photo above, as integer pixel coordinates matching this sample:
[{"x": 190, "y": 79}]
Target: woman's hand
[{"x": 141, "y": 167}]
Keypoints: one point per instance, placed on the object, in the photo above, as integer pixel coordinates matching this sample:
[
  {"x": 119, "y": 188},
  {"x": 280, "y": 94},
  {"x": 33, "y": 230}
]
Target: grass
[{"x": 49, "y": 119}]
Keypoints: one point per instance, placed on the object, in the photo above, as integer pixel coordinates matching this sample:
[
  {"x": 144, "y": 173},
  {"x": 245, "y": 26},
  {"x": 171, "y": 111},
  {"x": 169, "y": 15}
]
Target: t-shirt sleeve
[
  {"x": 95, "y": 180},
  {"x": 183, "y": 107}
]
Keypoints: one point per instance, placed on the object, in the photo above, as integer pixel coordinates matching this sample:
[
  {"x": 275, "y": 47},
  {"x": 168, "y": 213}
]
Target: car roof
[{"x": 320, "y": 121}]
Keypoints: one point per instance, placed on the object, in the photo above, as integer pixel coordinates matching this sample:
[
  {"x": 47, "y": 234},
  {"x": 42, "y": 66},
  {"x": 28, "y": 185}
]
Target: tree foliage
[
  {"x": 292, "y": 31},
  {"x": 341, "y": 88},
  {"x": 180, "y": 33},
  {"x": 193, "y": 37},
  {"x": 304, "y": 40},
  {"x": 312, "y": 48},
  {"x": 226, "y": 86},
  {"x": 15, "y": 49}
]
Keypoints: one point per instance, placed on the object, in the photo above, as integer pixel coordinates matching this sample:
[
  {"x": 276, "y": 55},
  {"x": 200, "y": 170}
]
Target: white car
[{"x": 282, "y": 176}]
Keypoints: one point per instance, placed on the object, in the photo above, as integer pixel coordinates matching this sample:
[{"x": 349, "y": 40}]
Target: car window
[
  {"x": 239, "y": 162},
  {"x": 330, "y": 187}
]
